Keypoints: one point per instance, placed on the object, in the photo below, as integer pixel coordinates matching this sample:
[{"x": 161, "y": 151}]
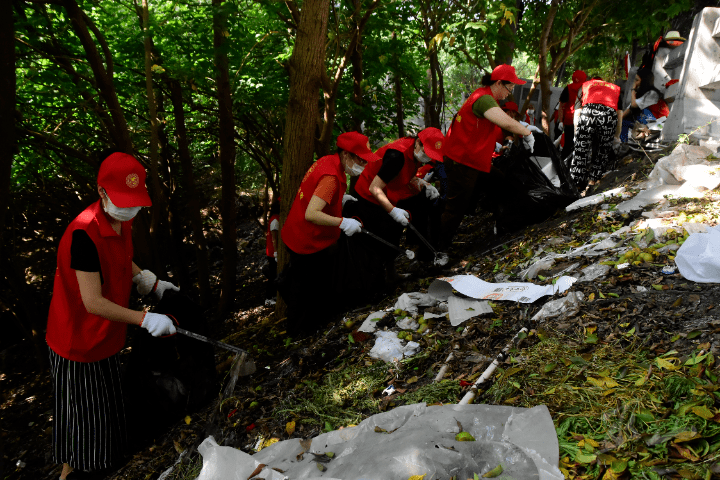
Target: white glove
[
  {"x": 348, "y": 198},
  {"x": 428, "y": 176},
  {"x": 529, "y": 142},
  {"x": 497, "y": 147},
  {"x": 561, "y": 126},
  {"x": 145, "y": 282},
  {"x": 275, "y": 255},
  {"x": 350, "y": 226},
  {"x": 162, "y": 286},
  {"x": 400, "y": 216},
  {"x": 158, "y": 325},
  {"x": 431, "y": 192},
  {"x": 524, "y": 124},
  {"x": 533, "y": 128}
]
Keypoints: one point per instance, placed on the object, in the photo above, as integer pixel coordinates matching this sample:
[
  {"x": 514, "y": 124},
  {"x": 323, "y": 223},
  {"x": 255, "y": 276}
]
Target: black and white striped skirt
[{"x": 89, "y": 427}]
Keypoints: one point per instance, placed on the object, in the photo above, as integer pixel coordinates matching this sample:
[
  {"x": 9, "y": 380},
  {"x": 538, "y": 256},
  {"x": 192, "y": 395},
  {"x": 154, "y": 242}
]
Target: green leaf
[
  {"x": 592, "y": 339},
  {"x": 694, "y": 334},
  {"x": 494, "y": 472},
  {"x": 550, "y": 367}
]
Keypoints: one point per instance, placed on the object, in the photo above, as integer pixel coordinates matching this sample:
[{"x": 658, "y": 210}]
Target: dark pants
[
  {"x": 270, "y": 272},
  {"x": 569, "y": 144},
  {"x": 311, "y": 295}
]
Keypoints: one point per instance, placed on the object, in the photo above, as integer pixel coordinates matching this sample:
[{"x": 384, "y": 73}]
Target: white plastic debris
[
  {"x": 407, "y": 323},
  {"x": 561, "y": 308},
  {"x": 686, "y": 163},
  {"x": 698, "y": 259},
  {"x": 593, "y": 272},
  {"x": 222, "y": 463},
  {"x": 370, "y": 323},
  {"x": 389, "y": 347},
  {"x": 473, "y": 287},
  {"x": 411, "y": 301},
  {"x": 594, "y": 199},
  {"x": 463, "y": 309}
]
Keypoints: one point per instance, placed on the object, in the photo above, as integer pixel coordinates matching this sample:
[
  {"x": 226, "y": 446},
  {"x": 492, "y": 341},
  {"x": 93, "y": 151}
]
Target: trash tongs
[
  {"x": 248, "y": 365},
  {"x": 441, "y": 259}
]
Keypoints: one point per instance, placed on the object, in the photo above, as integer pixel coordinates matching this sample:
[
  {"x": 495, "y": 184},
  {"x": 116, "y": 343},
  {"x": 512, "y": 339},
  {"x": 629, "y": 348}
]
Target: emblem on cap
[
  {"x": 368, "y": 145},
  {"x": 459, "y": 118},
  {"x": 132, "y": 180},
  {"x": 438, "y": 145}
]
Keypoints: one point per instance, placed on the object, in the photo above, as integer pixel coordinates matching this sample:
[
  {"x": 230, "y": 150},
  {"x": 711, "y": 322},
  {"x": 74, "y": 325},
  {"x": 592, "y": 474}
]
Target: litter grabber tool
[
  {"x": 441, "y": 259},
  {"x": 408, "y": 253},
  {"x": 248, "y": 365}
]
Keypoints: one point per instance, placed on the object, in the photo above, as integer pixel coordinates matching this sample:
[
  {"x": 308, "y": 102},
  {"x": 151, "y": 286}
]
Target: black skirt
[{"x": 89, "y": 427}]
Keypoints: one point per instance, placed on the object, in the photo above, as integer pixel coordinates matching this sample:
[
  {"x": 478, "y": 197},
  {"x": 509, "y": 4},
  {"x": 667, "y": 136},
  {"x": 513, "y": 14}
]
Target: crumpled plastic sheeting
[
  {"x": 411, "y": 301},
  {"x": 471, "y": 286},
  {"x": 686, "y": 163},
  {"x": 370, "y": 323},
  {"x": 227, "y": 463},
  {"x": 420, "y": 440},
  {"x": 561, "y": 308},
  {"x": 594, "y": 199},
  {"x": 389, "y": 347},
  {"x": 593, "y": 272},
  {"x": 463, "y": 309},
  {"x": 698, "y": 259},
  {"x": 658, "y": 193}
]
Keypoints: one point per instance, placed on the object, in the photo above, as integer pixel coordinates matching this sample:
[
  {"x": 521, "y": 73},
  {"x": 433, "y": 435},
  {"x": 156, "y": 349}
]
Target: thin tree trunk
[
  {"x": 306, "y": 68},
  {"x": 7, "y": 108},
  {"x": 399, "y": 112},
  {"x": 193, "y": 205},
  {"x": 357, "y": 70},
  {"x": 159, "y": 208},
  {"x": 227, "y": 160}
]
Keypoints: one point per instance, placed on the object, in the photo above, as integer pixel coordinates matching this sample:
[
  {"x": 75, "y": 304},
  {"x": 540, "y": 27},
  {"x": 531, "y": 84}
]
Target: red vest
[
  {"x": 269, "y": 248},
  {"x": 601, "y": 92},
  {"x": 72, "y": 332},
  {"x": 471, "y": 140},
  {"x": 660, "y": 109},
  {"x": 305, "y": 237},
  {"x": 569, "y": 108},
  {"x": 399, "y": 187}
]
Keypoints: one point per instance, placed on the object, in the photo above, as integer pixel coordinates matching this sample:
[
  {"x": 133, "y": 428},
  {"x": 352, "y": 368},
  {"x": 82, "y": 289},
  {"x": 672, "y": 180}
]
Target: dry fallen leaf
[{"x": 290, "y": 428}]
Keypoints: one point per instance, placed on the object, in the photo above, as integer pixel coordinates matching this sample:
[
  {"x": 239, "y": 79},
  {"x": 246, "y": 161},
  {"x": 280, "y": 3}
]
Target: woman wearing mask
[
  {"x": 390, "y": 193},
  {"x": 646, "y": 103},
  {"x": 313, "y": 227},
  {"x": 89, "y": 316},
  {"x": 470, "y": 143}
]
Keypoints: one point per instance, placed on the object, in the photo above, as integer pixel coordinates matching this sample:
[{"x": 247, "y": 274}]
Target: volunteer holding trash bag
[
  {"x": 597, "y": 125},
  {"x": 313, "y": 227},
  {"x": 390, "y": 195},
  {"x": 646, "y": 103},
  {"x": 470, "y": 142},
  {"x": 88, "y": 320}
]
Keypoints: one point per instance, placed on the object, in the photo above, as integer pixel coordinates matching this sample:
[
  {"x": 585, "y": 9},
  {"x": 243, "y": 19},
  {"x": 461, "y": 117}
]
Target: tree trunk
[
  {"x": 193, "y": 205},
  {"x": 7, "y": 108},
  {"x": 227, "y": 160},
  {"x": 306, "y": 68},
  {"x": 159, "y": 207},
  {"x": 357, "y": 69},
  {"x": 399, "y": 112}
]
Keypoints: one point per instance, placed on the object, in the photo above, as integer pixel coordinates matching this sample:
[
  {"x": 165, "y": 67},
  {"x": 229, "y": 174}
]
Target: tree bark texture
[
  {"x": 227, "y": 159},
  {"x": 193, "y": 205},
  {"x": 306, "y": 69},
  {"x": 7, "y": 108}
]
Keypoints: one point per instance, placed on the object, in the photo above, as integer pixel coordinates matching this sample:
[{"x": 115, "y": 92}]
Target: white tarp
[
  {"x": 413, "y": 440},
  {"x": 698, "y": 259},
  {"x": 473, "y": 287}
]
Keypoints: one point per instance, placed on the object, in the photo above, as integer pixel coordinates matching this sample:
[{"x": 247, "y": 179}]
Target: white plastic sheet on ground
[
  {"x": 463, "y": 309},
  {"x": 686, "y": 163},
  {"x": 370, "y": 323},
  {"x": 561, "y": 308},
  {"x": 418, "y": 440},
  {"x": 594, "y": 199},
  {"x": 698, "y": 259},
  {"x": 388, "y": 347},
  {"x": 473, "y": 287},
  {"x": 411, "y": 301}
]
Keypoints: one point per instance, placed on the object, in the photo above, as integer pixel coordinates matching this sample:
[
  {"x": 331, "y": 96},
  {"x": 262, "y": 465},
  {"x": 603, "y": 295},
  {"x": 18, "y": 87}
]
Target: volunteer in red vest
[
  {"x": 89, "y": 316},
  {"x": 646, "y": 103},
  {"x": 503, "y": 136},
  {"x": 470, "y": 142},
  {"x": 390, "y": 194},
  {"x": 271, "y": 245},
  {"x": 567, "y": 110},
  {"x": 313, "y": 227},
  {"x": 597, "y": 127}
]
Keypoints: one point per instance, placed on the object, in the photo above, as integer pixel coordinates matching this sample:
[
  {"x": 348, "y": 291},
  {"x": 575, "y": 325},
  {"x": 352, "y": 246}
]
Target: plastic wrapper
[
  {"x": 388, "y": 347},
  {"x": 561, "y": 308},
  {"x": 698, "y": 259}
]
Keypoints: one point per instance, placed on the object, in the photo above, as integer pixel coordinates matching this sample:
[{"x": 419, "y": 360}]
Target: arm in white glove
[
  {"x": 497, "y": 147},
  {"x": 350, "y": 226},
  {"x": 399, "y": 215},
  {"x": 529, "y": 142},
  {"x": 158, "y": 325},
  {"x": 429, "y": 176},
  {"x": 348, "y": 198},
  {"x": 147, "y": 282},
  {"x": 431, "y": 192},
  {"x": 561, "y": 126},
  {"x": 533, "y": 128}
]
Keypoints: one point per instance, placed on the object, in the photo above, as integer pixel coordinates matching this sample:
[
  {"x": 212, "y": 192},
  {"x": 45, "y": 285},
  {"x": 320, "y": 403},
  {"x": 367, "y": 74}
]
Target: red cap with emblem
[
  {"x": 511, "y": 106},
  {"x": 358, "y": 144},
  {"x": 123, "y": 179},
  {"x": 432, "y": 140},
  {"x": 506, "y": 72}
]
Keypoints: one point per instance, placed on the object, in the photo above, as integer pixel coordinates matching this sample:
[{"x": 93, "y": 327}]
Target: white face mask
[
  {"x": 119, "y": 214},
  {"x": 355, "y": 170},
  {"x": 421, "y": 156}
]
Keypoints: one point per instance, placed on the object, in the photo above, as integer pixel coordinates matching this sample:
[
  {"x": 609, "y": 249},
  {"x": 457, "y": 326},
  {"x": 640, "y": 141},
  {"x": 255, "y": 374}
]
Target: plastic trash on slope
[
  {"x": 389, "y": 347},
  {"x": 698, "y": 259},
  {"x": 561, "y": 308}
]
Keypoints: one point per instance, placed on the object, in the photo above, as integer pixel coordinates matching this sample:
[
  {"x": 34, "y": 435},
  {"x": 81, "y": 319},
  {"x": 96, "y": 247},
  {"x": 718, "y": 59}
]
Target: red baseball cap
[
  {"x": 506, "y": 72},
  {"x": 579, "y": 76},
  {"x": 511, "y": 106},
  {"x": 432, "y": 140},
  {"x": 123, "y": 179},
  {"x": 358, "y": 144}
]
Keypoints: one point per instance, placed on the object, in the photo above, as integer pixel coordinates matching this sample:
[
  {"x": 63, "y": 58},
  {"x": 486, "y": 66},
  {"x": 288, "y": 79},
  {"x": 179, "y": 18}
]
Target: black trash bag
[
  {"x": 529, "y": 196},
  {"x": 168, "y": 378}
]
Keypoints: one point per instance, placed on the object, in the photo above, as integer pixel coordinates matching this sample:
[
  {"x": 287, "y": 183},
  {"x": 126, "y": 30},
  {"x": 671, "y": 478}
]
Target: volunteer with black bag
[
  {"x": 470, "y": 143},
  {"x": 313, "y": 227},
  {"x": 88, "y": 320}
]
